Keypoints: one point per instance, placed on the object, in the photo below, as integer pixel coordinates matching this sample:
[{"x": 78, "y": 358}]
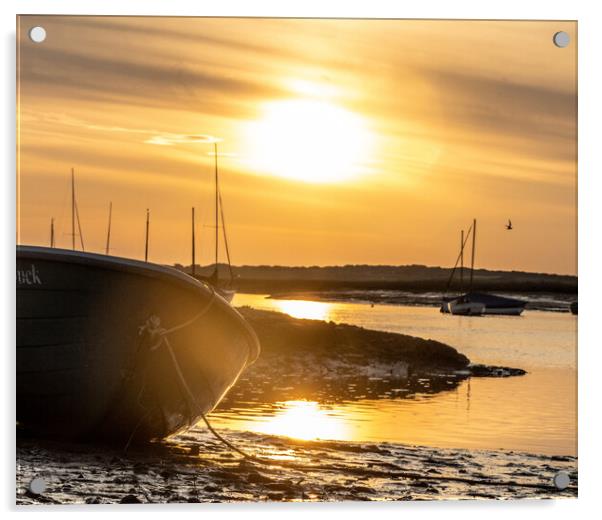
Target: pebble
[{"x": 130, "y": 499}]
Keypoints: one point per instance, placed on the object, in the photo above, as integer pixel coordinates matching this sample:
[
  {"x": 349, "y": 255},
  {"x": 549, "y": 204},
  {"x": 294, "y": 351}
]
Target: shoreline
[
  {"x": 315, "y": 351},
  {"x": 415, "y": 278},
  {"x": 546, "y": 302}
]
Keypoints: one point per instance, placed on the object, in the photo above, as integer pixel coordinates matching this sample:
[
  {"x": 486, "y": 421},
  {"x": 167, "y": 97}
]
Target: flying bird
[{"x": 509, "y": 225}]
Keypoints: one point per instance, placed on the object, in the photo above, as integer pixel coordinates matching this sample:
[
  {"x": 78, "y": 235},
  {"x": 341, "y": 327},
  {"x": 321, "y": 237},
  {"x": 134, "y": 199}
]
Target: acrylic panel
[{"x": 295, "y": 259}]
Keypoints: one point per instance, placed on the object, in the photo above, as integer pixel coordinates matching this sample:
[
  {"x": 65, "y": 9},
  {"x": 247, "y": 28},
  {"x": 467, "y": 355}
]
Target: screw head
[
  {"x": 37, "y": 486},
  {"x": 561, "y": 480},
  {"x": 37, "y": 34},
  {"x": 561, "y": 39}
]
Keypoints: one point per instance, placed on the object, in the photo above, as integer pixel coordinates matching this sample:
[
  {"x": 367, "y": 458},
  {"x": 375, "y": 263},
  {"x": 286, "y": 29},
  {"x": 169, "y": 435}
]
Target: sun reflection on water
[
  {"x": 304, "y": 309},
  {"x": 305, "y": 420}
]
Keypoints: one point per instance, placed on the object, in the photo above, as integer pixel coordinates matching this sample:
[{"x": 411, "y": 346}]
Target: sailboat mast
[
  {"x": 52, "y": 232},
  {"x": 474, "y": 239},
  {"x": 193, "y": 246},
  {"x": 109, "y": 228},
  {"x": 72, "y": 209},
  {"x": 216, "y": 210},
  {"x": 461, "y": 260},
  {"x": 146, "y": 236}
]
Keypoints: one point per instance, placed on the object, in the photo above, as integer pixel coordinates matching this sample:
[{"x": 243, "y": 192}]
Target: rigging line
[
  {"x": 461, "y": 261},
  {"x": 216, "y": 272},
  {"x": 474, "y": 238},
  {"x": 107, "y": 249},
  {"x": 451, "y": 276},
  {"x": 221, "y": 206},
  {"x": 193, "y": 245},
  {"x": 79, "y": 226},
  {"x": 60, "y": 228},
  {"x": 73, "y": 209},
  {"x": 52, "y": 232}
]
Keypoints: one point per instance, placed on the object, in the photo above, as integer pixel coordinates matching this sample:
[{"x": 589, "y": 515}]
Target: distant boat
[
  {"x": 494, "y": 304},
  {"x": 470, "y": 302},
  {"x": 114, "y": 348}
]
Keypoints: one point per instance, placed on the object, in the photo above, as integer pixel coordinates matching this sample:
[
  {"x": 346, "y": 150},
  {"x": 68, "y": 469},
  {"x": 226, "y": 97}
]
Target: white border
[{"x": 590, "y": 222}]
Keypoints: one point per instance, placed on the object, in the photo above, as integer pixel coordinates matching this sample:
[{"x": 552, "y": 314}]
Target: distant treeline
[{"x": 275, "y": 279}]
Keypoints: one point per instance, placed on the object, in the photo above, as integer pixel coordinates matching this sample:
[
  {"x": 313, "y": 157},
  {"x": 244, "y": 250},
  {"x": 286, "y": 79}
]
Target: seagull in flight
[{"x": 509, "y": 225}]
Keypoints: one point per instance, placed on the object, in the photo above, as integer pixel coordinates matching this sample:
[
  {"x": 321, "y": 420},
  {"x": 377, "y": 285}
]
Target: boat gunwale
[{"x": 116, "y": 263}]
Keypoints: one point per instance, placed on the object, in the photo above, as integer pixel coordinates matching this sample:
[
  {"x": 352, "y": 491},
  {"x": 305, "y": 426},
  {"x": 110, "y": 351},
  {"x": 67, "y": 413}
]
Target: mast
[
  {"x": 146, "y": 237},
  {"x": 52, "y": 232},
  {"x": 109, "y": 228},
  {"x": 72, "y": 209},
  {"x": 193, "y": 245},
  {"x": 461, "y": 260},
  {"x": 216, "y": 274},
  {"x": 474, "y": 239}
]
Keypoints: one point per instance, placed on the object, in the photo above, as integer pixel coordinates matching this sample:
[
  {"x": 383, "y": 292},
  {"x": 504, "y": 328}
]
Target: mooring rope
[
  {"x": 155, "y": 330},
  {"x": 192, "y": 397},
  {"x": 162, "y": 333}
]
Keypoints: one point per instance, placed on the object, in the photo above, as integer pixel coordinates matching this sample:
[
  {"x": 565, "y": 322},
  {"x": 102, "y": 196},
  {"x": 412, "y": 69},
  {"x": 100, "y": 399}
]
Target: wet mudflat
[
  {"x": 196, "y": 467},
  {"x": 306, "y": 360}
]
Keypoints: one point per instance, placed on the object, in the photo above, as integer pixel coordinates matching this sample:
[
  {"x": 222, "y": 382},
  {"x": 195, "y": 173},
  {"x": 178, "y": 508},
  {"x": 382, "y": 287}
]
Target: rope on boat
[
  {"x": 152, "y": 325},
  {"x": 194, "y": 401}
]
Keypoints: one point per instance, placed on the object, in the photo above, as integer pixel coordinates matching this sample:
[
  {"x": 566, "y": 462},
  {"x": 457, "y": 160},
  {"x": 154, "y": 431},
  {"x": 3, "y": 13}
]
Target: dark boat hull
[
  {"x": 115, "y": 348},
  {"x": 493, "y": 304}
]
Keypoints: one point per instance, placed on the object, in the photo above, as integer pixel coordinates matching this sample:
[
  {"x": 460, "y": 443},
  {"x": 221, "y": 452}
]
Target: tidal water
[{"x": 535, "y": 413}]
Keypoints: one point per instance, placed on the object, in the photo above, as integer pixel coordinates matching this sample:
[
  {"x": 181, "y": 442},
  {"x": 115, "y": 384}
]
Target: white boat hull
[
  {"x": 466, "y": 308},
  {"x": 504, "y": 311}
]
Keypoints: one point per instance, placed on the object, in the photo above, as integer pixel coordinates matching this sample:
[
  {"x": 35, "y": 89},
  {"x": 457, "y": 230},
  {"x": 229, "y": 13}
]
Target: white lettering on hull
[{"x": 29, "y": 276}]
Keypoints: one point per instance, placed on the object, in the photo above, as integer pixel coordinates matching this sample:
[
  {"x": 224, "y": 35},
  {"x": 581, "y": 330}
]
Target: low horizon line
[{"x": 330, "y": 266}]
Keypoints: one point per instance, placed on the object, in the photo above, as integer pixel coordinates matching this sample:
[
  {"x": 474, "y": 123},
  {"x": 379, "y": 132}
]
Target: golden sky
[{"x": 340, "y": 141}]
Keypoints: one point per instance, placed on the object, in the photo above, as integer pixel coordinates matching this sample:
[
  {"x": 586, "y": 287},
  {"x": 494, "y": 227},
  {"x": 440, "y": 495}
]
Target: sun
[{"x": 308, "y": 140}]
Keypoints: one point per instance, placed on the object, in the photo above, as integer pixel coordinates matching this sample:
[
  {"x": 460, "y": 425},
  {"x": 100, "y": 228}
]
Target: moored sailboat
[{"x": 476, "y": 303}]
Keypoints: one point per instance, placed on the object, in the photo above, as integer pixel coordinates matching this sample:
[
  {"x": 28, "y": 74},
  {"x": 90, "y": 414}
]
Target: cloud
[
  {"x": 185, "y": 31},
  {"x": 151, "y": 136},
  {"x": 171, "y": 139},
  {"x": 51, "y": 73}
]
